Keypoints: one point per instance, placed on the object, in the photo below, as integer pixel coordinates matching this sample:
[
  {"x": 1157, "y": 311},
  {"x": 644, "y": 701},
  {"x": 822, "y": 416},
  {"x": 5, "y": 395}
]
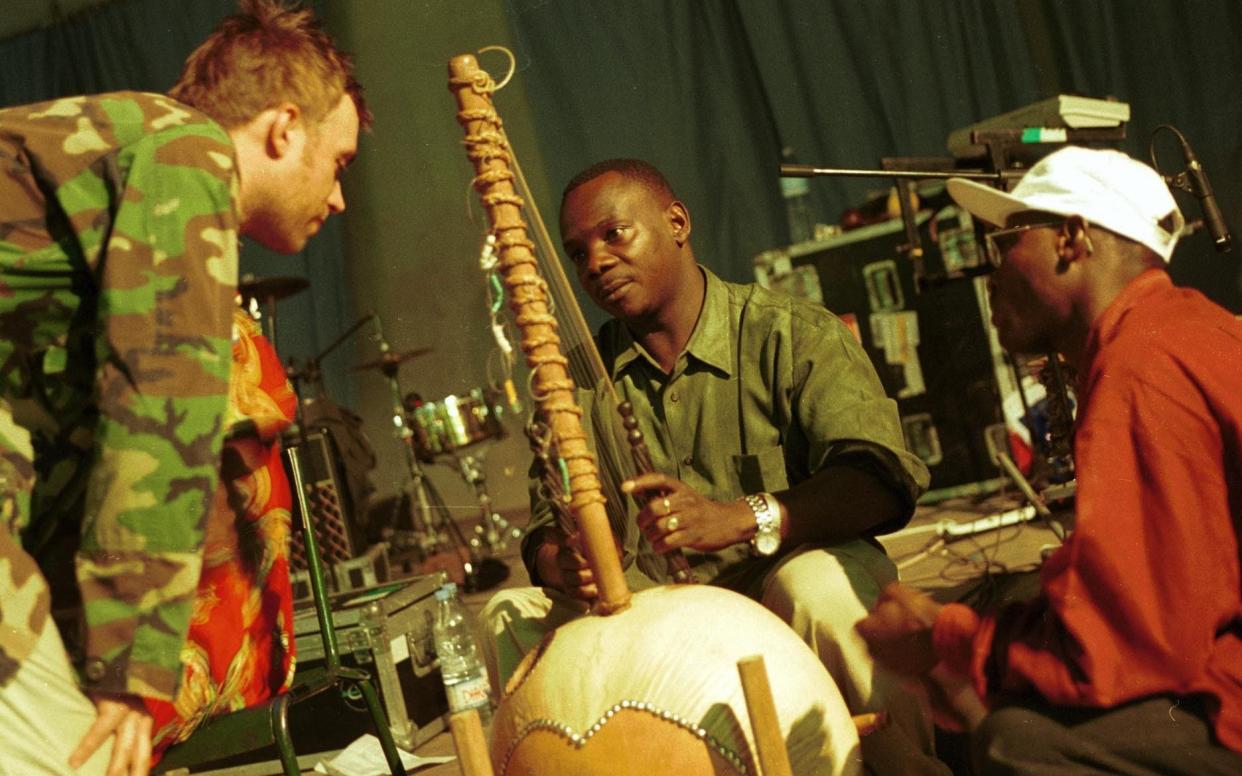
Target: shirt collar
[
  {"x": 711, "y": 341},
  {"x": 1151, "y": 281}
]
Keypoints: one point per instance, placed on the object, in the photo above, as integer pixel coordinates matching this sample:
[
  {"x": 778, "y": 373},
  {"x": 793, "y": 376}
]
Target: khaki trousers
[{"x": 43, "y": 712}]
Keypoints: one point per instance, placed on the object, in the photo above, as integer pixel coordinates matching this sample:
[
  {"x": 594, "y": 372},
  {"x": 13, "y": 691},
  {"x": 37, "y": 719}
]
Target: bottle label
[
  {"x": 469, "y": 693},
  {"x": 794, "y": 187}
]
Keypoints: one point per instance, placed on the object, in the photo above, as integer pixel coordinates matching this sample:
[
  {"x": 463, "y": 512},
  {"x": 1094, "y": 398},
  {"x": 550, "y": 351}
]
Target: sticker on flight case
[
  {"x": 897, "y": 334},
  {"x": 399, "y": 646}
]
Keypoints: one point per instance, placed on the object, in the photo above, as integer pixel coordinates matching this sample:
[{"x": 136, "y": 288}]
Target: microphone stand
[
  {"x": 904, "y": 179},
  {"x": 312, "y": 373},
  {"x": 344, "y": 336},
  {"x": 811, "y": 171},
  {"x": 1000, "y": 143}
]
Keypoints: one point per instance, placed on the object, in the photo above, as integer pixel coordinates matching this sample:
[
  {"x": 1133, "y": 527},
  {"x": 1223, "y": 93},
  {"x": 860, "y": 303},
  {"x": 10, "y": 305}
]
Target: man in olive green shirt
[{"x": 777, "y": 456}]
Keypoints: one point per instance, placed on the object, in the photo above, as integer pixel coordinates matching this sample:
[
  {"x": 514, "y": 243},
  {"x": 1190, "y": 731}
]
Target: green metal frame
[{"x": 249, "y": 729}]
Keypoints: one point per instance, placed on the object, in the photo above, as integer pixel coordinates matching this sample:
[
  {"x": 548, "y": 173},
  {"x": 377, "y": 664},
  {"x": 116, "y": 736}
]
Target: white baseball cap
[{"x": 1108, "y": 188}]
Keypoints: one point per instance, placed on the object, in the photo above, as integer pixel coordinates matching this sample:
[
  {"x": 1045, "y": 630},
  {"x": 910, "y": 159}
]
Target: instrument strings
[
  {"x": 616, "y": 457},
  {"x": 586, "y": 366}
]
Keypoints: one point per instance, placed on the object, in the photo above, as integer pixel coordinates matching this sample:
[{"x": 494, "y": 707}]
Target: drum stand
[
  {"x": 493, "y": 529},
  {"x": 432, "y": 526}
]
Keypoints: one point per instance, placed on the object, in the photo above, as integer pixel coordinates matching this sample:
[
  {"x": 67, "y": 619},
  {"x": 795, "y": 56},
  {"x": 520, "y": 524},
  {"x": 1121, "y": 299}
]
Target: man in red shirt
[{"x": 1130, "y": 658}]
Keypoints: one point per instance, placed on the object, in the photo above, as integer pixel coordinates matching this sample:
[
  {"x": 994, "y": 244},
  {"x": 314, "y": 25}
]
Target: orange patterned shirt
[{"x": 239, "y": 651}]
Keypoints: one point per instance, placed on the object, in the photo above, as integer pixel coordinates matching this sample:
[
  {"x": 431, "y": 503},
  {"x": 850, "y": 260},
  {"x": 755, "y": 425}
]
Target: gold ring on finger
[
  {"x": 668, "y": 507},
  {"x": 672, "y": 524}
]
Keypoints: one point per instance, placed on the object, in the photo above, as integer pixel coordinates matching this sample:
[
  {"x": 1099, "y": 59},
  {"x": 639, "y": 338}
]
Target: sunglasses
[{"x": 998, "y": 241}]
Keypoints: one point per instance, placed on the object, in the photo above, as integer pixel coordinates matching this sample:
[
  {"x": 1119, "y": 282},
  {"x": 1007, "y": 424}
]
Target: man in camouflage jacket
[{"x": 119, "y": 218}]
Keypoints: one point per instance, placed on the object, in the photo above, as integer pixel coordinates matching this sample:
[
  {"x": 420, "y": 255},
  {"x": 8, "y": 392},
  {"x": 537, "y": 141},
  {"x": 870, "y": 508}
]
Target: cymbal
[
  {"x": 390, "y": 359},
  {"x": 277, "y": 287}
]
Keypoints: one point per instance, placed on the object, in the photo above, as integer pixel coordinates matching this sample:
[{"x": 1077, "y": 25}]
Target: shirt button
[
  {"x": 95, "y": 670},
  {"x": 687, "y": 460},
  {"x": 674, "y": 396}
]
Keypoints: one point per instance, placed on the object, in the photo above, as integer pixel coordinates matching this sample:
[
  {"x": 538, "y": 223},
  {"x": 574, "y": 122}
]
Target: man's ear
[
  {"x": 1074, "y": 240},
  {"x": 679, "y": 220},
  {"x": 283, "y": 128}
]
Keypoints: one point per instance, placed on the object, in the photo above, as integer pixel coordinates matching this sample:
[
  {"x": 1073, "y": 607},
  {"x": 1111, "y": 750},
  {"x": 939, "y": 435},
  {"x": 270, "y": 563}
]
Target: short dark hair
[
  {"x": 267, "y": 53},
  {"x": 637, "y": 170}
]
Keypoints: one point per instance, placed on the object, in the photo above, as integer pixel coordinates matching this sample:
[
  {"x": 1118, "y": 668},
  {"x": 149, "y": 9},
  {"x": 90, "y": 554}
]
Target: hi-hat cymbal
[
  {"x": 269, "y": 288},
  {"x": 391, "y": 359}
]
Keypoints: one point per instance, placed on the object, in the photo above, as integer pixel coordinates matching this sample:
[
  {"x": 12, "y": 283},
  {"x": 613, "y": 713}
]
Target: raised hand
[{"x": 899, "y": 630}]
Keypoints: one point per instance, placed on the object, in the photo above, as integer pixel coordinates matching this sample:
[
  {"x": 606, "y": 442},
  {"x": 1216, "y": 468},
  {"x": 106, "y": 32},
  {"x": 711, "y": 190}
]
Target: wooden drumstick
[
  {"x": 769, "y": 743},
  {"x": 470, "y": 742},
  {"x": 870, "y": 722}
]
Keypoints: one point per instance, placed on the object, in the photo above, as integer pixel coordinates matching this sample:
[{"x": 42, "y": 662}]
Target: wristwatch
[{"x": 767, "y": 538}]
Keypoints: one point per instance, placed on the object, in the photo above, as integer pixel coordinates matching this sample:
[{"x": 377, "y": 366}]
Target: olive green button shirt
[{"x": 768, "y": 391}]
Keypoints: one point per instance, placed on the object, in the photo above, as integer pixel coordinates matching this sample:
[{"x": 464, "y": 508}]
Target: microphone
[
  {"x": 1202, "y": 190},
  {"x": 1194, "y": 179}
]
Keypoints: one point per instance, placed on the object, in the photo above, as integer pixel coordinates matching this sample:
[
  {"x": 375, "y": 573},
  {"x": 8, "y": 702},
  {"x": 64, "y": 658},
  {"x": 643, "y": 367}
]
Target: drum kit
[{"x": 456, "y": 431}]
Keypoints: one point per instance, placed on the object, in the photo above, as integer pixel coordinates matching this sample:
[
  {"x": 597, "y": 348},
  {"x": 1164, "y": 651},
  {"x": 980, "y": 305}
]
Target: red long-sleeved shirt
[{"x": 1145, "y": 597}]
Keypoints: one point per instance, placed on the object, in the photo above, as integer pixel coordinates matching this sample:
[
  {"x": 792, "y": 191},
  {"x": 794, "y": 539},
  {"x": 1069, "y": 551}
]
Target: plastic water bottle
[
  {"x": 797, "y": 194},
  {"x": 461, "y": 665}
]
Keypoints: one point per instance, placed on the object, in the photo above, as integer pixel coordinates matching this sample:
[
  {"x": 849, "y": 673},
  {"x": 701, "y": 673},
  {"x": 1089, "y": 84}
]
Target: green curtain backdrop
[
  {"x": 142, "y": 44},
  {"x": 712, "y": 90}
]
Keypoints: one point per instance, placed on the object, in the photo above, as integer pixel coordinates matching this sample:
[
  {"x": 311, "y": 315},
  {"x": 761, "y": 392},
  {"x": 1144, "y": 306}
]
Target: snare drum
[{"x": 441, "y": 427}]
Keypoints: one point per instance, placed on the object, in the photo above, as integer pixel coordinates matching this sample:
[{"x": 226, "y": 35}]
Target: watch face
[{"x": 767, "y": 542}]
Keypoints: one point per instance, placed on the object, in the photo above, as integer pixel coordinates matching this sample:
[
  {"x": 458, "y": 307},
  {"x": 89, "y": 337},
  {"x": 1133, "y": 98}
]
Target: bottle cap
[{"x": 447, "y": 590}]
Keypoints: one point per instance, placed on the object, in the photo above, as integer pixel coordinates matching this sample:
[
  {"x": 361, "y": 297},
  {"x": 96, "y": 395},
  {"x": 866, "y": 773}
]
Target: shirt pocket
[{"x": 763, "y": 471}]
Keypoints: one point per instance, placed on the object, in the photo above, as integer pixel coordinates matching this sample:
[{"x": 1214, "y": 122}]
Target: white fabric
[
  {"x": 43, "y": 715},
  {"x": 676, "y": 648},
  {"x": 1108, "y": 188}
]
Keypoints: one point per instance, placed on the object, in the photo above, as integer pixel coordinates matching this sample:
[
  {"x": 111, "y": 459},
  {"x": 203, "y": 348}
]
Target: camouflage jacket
[{"x": 118, "y": 262}]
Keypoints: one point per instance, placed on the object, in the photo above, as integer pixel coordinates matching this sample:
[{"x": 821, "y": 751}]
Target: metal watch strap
[{"x": 767, "y": 519}]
